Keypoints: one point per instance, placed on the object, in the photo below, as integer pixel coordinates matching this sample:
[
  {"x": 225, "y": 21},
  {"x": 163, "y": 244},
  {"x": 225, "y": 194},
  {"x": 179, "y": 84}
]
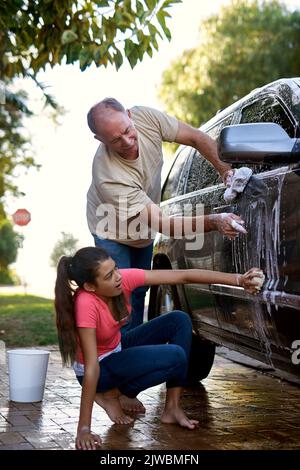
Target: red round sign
[{"x": 21, "y": 217}]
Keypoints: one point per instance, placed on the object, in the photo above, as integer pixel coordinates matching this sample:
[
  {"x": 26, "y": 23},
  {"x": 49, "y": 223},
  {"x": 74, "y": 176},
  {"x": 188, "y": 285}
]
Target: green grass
[{"x": 27, "y": 320}]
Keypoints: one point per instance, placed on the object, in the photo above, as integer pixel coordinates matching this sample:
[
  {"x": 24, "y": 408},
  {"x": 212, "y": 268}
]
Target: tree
[
  {"x": 10, "y": 241},
  {"x": 248, "y": 44},
  {"x": 66, "y": 246},
  {"x": 14, "y": 146},
  {"x": 40, "y": 32},
  {"x": 34, "y": 34}
]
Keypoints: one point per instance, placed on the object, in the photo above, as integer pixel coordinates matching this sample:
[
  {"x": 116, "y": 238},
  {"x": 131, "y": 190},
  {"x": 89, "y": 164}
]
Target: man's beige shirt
[{"x": 128, "y": 186}]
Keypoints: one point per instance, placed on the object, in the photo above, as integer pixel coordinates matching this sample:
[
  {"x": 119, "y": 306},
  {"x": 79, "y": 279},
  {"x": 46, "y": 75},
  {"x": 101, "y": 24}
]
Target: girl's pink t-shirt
[{"x": 92, "y": 312}]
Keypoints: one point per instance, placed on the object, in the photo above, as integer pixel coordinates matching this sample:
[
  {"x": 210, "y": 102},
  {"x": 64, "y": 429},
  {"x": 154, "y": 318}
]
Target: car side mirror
[{"x": 258, "y": 143}]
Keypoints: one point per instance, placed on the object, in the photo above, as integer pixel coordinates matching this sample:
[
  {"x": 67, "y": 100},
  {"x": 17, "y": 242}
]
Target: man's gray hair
[{"x": 107, "y": 103}]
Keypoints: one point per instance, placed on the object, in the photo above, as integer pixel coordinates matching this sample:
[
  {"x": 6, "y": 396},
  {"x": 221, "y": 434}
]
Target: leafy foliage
[
  {"x": 248, "y": 44},
  {"x": 36, "y": 33},
  {"x": 14, "y": 146},
  {"x": 10, "y": 241},
  {"x": 66, "y": 246},
  {"x": 9, "y": 277}
]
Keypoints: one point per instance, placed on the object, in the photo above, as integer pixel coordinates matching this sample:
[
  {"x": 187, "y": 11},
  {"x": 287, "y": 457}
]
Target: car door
[
  {"x": 203, "y": 189},
  {"x": 258, "y": 323}
]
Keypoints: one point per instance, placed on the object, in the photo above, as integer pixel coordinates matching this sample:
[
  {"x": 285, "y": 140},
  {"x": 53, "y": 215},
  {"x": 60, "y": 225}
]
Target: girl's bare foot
[
  {"x": 132, "y": 404},
  {"x": 177, "y": 415},
  {"x": 111, "y": 404}
]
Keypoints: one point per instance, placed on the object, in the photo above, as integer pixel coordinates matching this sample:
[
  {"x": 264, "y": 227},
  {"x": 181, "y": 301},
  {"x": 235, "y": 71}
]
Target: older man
[{"x": 126, "y": 183}]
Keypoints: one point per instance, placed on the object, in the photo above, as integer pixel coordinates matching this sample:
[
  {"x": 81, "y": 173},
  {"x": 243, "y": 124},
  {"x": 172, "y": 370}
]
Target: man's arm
[
  {"x": 205, "y": 145},
  {"x": 225, "y": 223}
]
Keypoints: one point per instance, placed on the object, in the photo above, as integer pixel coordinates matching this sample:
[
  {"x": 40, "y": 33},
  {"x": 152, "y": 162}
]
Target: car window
[
  {"x": 201, "y": 173},
  {"x": 215, "y": 131},
  {"x": 176, "y": 179},
  {"x": 268, "y": 109}
]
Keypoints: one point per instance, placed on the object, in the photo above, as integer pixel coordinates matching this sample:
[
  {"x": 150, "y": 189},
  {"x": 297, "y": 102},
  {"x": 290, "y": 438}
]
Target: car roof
[{"x": 230, "y": 109}]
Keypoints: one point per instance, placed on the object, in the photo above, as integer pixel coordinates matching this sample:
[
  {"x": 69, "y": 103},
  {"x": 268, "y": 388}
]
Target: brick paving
[{"x": 238, "y": 408}]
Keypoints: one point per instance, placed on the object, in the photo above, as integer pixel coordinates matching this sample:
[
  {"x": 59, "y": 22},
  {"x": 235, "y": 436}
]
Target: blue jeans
[
  {"x": 130, "y": 257},
  {"x": 146, "y": 360}
]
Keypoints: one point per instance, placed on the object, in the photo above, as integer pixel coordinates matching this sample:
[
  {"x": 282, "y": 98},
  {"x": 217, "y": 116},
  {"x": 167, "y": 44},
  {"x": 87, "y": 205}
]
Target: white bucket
[{"x": 27, "y": 369}]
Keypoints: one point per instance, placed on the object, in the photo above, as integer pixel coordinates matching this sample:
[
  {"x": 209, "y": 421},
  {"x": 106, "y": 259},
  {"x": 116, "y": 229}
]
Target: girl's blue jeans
[{"x": 152, "y": 353}]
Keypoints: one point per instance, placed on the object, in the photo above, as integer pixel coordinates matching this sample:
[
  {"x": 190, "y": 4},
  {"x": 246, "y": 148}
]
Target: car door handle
[{"x": 226, "y": 208}]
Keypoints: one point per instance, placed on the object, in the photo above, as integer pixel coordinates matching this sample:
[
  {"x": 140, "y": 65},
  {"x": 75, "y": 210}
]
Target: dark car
[{"x": 265, "y": 327}]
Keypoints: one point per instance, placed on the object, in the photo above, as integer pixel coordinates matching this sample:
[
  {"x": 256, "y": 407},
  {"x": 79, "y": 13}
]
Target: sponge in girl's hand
[{"x": 259, "y": 280}]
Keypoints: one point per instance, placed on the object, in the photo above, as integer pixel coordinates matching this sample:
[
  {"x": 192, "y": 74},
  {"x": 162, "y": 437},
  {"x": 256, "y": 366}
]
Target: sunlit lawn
[{"x": 27, "y": 320}]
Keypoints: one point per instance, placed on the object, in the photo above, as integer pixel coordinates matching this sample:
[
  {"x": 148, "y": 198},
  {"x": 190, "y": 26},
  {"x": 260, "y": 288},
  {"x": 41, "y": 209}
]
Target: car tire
[
  {"x": 162, "y": 299},
  {"x": 166, "y": 299},
  {"x": 201, "y": 359}
]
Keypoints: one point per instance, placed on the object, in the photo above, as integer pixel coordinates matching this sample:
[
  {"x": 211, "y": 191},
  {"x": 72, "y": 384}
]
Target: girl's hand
[
  {"x": 87, "y": 440},
  {"x": 252, "y": 281}
]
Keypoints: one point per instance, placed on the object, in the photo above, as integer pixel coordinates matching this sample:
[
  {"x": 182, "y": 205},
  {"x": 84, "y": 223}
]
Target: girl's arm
[
  {"x": 251, "y": 281},
  {"x": 85, "y": 438}
]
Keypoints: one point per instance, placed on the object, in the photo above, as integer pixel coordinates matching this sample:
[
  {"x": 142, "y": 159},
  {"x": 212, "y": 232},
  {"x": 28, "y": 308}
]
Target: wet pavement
[{"x": 238, "y": 408}]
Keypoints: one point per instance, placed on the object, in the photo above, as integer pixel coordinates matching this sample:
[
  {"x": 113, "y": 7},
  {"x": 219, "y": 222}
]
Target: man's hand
[
  {"x": 227, "y": 177},
  {"x": 229, "y": 225}
]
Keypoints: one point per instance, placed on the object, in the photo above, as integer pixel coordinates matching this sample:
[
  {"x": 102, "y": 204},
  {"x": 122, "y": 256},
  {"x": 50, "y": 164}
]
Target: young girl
[{"x": 111, "y": 368}]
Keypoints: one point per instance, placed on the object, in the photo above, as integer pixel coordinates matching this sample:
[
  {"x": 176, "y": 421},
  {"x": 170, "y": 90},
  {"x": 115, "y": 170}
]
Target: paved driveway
[{"x": 238, "y": 408}]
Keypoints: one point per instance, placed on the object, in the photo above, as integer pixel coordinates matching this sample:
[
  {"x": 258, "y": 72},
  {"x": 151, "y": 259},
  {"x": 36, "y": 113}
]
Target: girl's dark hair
[{"x": 80, "y": 268}]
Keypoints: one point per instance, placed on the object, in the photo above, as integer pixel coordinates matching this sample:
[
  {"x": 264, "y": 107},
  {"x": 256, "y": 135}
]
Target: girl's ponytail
[
  {"x": 64, "y": 307},
  {"x": 82, "y": 267}
]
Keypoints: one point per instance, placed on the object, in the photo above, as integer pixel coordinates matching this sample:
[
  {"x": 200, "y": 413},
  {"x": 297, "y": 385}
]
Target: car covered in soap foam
[{"x": 260, "y": 131}]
